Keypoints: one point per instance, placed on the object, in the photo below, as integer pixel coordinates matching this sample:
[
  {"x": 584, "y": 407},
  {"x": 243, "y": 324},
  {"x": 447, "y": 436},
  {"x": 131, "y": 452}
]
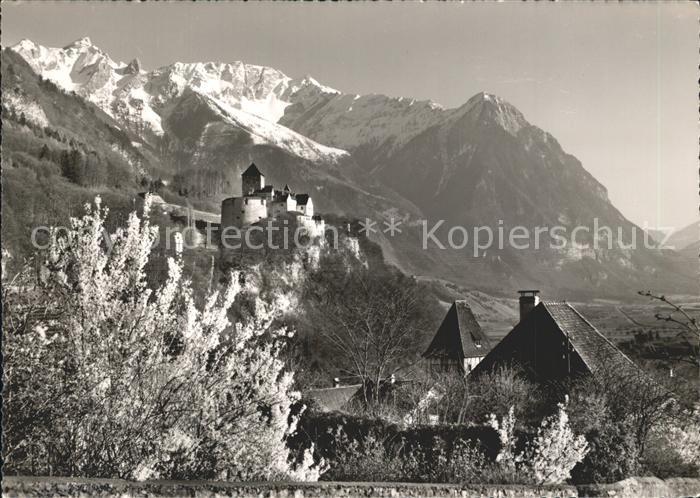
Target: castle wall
[
  {"x": 227, "y": 213},
  {"x": 307, "y": 209},
  {"x": 251, "y": 208},
  {"x": 281, "y": 207},
  {"x": 241, "y": 211},
  {"x": 315, "y": 228}
]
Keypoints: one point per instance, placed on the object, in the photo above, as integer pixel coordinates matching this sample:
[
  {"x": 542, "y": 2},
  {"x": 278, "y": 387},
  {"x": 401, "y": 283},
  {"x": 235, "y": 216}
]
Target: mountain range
[{"x": 198, "y": 125}]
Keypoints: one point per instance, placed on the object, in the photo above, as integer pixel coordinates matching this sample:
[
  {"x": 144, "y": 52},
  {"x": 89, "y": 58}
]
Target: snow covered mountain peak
[
  {"x": 142, "y": 100},
  {"x": 83, "y": 42},
  {"x": 84, "y": 68},
  {"x": 263, "y": 132},
  {"x": 133, "y": 67},
  {"x": 308, "y": 80},
  {"x": 25, "y": 44}
]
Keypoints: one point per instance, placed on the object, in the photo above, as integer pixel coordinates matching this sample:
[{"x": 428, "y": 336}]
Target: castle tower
[{"x": 252, "y": 179}]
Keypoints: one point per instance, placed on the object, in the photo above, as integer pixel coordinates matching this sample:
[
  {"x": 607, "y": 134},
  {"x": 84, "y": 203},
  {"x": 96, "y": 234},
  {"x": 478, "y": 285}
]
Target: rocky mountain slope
[
  {"x": 58, "y": 152},
  {"x": 142, "y": 100},
  {"x": 685, "y": 238},
  {"x": 209, "y": 121},
  {"x": 481, "y": 164}
]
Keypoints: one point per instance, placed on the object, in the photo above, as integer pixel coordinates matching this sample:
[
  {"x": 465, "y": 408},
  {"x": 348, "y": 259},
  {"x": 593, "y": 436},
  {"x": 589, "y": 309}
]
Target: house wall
[
  {"x": 442, "y": 364},
  {"x": 471, "y": 363}
]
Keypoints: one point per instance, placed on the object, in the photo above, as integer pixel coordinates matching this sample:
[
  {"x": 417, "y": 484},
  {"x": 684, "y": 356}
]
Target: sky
[{"x": 615, "y": 83}]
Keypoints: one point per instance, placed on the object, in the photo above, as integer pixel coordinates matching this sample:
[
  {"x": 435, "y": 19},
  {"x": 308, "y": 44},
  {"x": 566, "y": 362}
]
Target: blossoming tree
[
  {"x": 549, "y": 457},
  {"x": 105, "y": 376}
]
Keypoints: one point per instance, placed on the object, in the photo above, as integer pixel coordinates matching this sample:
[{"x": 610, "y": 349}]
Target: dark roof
[
  {"x": 333, "y": 398},
  {"x": 281, "y": 197},
  {"x": 541, "y": 342},
  {"x": 252, "y": 171},
  {"x": 596, "y": 350},
  {"x": 265, "y": 190},
  {"x": 459, "y": 335},
  {"x": 302, "y": 199},
  {"x": 286, "y": 188}
]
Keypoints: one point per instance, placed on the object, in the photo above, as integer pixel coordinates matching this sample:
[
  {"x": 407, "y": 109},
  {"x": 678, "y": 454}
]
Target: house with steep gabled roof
[
  {"x": 554, "y": 342},
  {"x": 459, "y": 343}
]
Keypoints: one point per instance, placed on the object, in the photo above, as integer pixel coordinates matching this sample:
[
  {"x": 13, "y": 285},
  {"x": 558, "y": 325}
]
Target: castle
[{"x": 259, "y": 201}]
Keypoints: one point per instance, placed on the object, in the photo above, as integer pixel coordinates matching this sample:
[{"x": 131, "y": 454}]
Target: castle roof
[
  {"x": 302, "y": 199},
  {"x": 267, "y": 189},
  {"x": 459, "y": 336},
  {"x": 281, "y": 196},
  {"x": 252, "y": 171},
  {"x": 286, "y": 188}
]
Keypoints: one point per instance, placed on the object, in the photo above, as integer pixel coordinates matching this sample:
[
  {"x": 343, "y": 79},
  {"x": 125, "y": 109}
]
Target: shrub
[
  {"x": 372, "y": 459},
  {"x": 673, "y": 449},
  {"x": 497, "y": 391},
  {"x": 555, "y": 450},
  {"x": 619, "y": 412},
  {"x": 613, "y": 454},
  {"x": 421, "y": 453},
  {"x": 365, "y": 459},
  {"x": 549, "y": 457},
  {"x": 359, "y": 448}
]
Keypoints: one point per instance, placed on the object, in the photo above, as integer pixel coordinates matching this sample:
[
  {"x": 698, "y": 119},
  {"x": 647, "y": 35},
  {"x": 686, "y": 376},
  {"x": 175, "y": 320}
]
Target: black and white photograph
[{"x": 350, "y": 249}]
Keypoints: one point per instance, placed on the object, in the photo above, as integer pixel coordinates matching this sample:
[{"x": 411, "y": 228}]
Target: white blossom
[
  {"x": 144, "y": 384},
  {"x": 556, "y": 450},
  {"x": 550, "y": 456}
]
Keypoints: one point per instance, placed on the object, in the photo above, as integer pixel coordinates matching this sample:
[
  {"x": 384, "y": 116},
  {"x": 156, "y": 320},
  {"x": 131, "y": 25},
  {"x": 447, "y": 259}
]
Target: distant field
[{"x": 498, "y": 315}]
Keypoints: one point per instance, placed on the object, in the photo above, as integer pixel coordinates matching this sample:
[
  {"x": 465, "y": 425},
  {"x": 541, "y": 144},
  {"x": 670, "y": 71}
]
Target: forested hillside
[{"x": 58, "y": 152}]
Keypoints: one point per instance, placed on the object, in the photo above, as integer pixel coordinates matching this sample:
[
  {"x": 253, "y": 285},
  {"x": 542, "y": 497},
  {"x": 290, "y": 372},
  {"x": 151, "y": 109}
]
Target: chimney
[
  {"x": 336, "y": 382},
  {"x": 528, "y": 300}
]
